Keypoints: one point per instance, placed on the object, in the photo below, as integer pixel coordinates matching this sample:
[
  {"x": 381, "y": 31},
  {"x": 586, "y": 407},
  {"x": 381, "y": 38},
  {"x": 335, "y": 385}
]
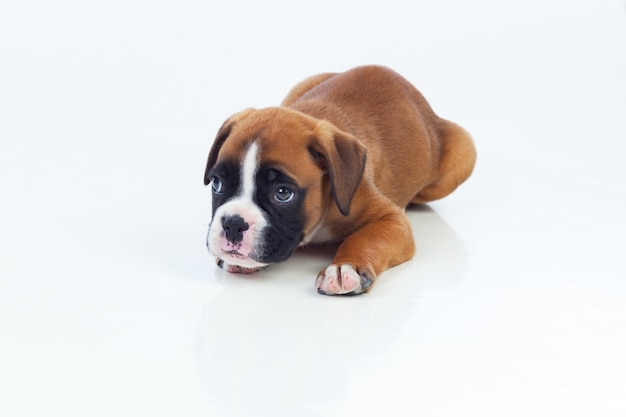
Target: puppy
[{"x": 338, "y": 161}]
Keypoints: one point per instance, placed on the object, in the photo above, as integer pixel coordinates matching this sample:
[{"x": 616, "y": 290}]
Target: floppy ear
[
  {"x": 221, "y": 137},
  {"x": 344, "y": 158}
]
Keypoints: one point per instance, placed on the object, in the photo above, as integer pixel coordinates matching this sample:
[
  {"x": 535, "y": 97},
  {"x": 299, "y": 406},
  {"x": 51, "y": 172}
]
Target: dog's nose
[{"x": 234, "y": 226}]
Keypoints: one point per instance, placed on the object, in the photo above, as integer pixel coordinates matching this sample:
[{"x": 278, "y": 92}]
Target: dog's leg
[
  {"x": 458, "y": 156},
  {"x": 375, "y": 247}
]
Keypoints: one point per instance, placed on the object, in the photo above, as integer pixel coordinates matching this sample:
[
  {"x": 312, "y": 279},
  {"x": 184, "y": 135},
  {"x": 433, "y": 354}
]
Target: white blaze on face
[
  {"x": 248, "y": 172},
  {"x": 241, "y": 204}
]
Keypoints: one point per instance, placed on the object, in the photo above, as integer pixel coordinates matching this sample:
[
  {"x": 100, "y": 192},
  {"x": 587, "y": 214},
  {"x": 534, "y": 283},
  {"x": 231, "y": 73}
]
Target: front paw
[{"x": 344, "y": 280}]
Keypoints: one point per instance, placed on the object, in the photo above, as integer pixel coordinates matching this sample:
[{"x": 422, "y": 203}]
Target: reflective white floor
[{"x": 110, "y": 306}]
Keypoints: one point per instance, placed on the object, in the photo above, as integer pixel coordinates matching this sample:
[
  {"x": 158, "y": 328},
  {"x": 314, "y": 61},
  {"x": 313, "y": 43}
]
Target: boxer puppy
[{"x": 338, "y": 161}]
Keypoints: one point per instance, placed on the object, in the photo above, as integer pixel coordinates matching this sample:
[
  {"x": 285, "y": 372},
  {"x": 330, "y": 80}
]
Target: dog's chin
[{"x": 240, "y": 266}]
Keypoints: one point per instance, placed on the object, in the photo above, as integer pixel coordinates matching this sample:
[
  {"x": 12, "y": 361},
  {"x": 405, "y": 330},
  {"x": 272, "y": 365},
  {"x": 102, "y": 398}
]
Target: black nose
[{"x": 234, "y": 226}]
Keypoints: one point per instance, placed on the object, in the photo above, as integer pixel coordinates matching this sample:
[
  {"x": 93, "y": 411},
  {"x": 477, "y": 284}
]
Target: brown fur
[{"x": 365, "y": 144}]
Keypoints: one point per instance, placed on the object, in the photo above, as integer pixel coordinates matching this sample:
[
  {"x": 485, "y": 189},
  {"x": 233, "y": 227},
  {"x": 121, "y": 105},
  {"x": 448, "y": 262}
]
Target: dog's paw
[{"x": 344, "y": 280}]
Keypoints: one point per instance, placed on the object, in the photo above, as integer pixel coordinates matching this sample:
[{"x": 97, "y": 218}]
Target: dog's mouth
[
  {"x": 238, "y": 269},
  {"x": 234, "y": 261},
  {"x": 234, "y": 253}
]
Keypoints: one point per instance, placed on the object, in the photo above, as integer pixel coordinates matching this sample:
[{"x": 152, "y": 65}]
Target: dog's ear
[
  {"x": 343, "y": 156},
  {"x": 221, "y": 137}
]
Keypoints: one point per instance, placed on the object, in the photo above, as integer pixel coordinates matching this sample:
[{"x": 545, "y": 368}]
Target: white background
[{"x": 515, "y": 304}]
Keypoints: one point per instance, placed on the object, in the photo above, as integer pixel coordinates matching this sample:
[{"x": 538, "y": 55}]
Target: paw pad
[{"x": 343, "y": 280}]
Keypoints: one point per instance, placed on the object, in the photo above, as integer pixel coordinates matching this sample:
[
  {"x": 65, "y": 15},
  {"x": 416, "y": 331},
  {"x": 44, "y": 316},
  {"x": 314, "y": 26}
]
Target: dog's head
[{"x": 274, "y": 174}]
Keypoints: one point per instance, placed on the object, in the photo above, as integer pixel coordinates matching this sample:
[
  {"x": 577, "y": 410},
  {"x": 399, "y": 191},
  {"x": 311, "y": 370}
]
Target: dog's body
[{"x": 339, "y": 161}]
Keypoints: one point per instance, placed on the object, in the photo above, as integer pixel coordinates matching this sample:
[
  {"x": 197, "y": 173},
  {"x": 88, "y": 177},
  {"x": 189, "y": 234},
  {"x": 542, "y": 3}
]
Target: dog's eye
[
  {"x": 283, "y": 195},
  {"x": 217, "y": 186}
]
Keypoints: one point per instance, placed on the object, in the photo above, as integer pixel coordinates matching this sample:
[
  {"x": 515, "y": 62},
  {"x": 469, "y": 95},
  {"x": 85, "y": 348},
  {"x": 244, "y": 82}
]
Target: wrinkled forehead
[
  {"x": 292, "y": 157},
  {"x": 283, "y": 149}
]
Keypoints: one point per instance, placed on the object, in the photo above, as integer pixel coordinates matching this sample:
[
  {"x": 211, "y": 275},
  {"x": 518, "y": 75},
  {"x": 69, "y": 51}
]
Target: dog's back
[{"x": 414, "y": 156}]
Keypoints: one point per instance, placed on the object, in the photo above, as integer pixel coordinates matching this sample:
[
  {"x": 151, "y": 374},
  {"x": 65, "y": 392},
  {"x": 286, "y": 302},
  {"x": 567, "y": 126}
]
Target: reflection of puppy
[
  {"x": 242, "y": 355},
  {"x": 338, "y": 161}
]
